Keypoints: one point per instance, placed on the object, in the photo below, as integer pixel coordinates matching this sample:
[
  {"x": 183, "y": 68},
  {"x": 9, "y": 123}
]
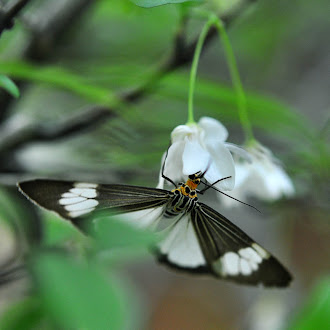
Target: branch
[
  {"x": 28, "y": 133},
  {"x": 8, "y": 13},
  {"x": 53, "y": 23},
  {"x": 181, "y": 55}
]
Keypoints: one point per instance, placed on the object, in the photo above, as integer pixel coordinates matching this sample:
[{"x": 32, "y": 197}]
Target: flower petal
[
  {"x": 222, "y": 165},
  {"x": 235, "y": 149},
  {"x": 242, "y": 172},
  {"x": 213, "y": 129},
  {"x": 180, "y": 132},
  {"x": 275, "y": 184},
  {"x": 195, "y": 158},
  {"x": 173, "y": 163}
]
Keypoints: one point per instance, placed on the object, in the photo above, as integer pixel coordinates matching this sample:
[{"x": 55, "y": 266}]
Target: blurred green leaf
[
  {"x": 27, "y": 314},
  {"x": 219, "y": 100},
  {"x": 9, "y": 85},
  {"x": 315, "y": 314},
  {"x": 79, "y": 296},
  {"x": 57, "y": 230},
  {"x": 23, "y": 221},
  {"x": 60, "y": 77},
  {"x": 111, "y": 233},
  {"x": 7, "y": 207},
  {"x": 154, "y": 3}
]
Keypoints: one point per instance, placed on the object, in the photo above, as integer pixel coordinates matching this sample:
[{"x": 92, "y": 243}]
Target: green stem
[
  {"x": 194, "y": 66},
  {"x": 235, "y": 77}
]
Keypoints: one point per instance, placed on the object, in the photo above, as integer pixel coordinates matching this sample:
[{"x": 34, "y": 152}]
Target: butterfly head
[
  {"x": 189, "y": 187},
  {"x": 194, "y": 180}
]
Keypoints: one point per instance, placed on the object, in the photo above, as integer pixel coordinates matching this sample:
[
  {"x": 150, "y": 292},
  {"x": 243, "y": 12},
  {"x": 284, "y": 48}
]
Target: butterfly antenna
[
  {"x": 221, "y": 192},
  {"x": 207, "y": 168},
  {"x": 214, "y": 183}
]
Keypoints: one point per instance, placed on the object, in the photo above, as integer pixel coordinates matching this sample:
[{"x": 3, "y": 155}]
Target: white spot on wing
[
  {"x": 87, "y": 204},
  {"x": 71, "y": 200},
  {"x": 85, "y": 185},
  {"x": 181, "y": 245},
  {"x": 77, "y": 191},
  {"x": 89, "y": 193},
  {"x": 230, "y": 263},
  {"x": 250, "y": 254},
  {"x": 68, "y": 195},
  {"x": 245, "y": 262},
  {"x": 84, "y": 192},
  {"x": 245, "y": 267},
  {"x": 80, "y": 199},
  {"x": 262, "y": 252},
  {"x": 75, "y": 214}
]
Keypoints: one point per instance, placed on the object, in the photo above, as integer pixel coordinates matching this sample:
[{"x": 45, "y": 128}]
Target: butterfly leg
[{"x": 163, "y": 168}]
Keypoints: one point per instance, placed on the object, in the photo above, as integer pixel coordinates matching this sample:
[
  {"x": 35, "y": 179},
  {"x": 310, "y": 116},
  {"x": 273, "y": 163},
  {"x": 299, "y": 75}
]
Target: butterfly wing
[
  {"x": 72, "y": 200},
  {"x": 231, "y": 254},
  {"x": 180, "y": 247},
  {"x": 204, "y": 241}
]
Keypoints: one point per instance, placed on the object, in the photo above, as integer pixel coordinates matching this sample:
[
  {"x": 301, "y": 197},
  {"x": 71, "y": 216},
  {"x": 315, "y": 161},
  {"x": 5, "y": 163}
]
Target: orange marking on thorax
[
  {"x": 191, "y": 184},
  {"x": 183, "y": 191}
]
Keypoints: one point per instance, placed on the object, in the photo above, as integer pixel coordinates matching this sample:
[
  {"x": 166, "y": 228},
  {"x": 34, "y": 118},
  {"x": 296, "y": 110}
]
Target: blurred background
[{"x": 103, "y": 83}]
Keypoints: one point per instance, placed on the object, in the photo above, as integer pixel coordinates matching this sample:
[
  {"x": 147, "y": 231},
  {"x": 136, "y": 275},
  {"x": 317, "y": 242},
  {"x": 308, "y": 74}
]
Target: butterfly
[{"x": 196, "y": 238}]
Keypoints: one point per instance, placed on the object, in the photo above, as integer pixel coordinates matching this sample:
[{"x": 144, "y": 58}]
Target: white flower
[
  {"x": 197, "y": 147},
  {"x": 263, "y": 177}
]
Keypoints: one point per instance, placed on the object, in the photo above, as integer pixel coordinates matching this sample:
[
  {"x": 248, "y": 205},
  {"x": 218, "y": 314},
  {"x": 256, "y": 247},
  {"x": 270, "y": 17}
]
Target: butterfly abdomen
[{"x": 183, "y": 200}]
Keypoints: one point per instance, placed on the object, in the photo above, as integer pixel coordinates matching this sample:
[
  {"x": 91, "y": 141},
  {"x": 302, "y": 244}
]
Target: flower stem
[
  {"x": 235, "y": 77},
  {"x": 194, "y": 66}
]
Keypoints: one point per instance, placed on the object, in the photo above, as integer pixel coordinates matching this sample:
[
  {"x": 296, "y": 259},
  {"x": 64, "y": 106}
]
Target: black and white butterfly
[{"x": 197, "y": 238}]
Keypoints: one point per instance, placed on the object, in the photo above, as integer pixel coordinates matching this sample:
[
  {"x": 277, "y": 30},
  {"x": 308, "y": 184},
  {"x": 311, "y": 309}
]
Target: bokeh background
[{"x": 102, "y": 85}]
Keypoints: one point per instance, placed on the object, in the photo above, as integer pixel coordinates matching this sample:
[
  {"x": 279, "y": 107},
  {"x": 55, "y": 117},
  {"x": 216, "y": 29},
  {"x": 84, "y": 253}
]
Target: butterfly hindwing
[
  {"x": 180, "y": 247},
  {"x": 232, "y": 254},
  {"x": 72, "y": 200},
  {"x": 204, "y": 241}
]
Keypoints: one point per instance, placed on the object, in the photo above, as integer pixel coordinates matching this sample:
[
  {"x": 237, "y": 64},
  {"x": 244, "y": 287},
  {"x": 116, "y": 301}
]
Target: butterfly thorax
[{"x": 184, "y": 197}]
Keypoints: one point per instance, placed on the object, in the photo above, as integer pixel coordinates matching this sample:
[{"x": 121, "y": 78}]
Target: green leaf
[
  {"x": 155, "y": 3},
  {"x": 80, "y": 296},
  {"x": 12, "y": 211},
  {"x": 111, "y": 233},
  {"x": 59, "y": 77},
  {"x": 9, "y": 85},
  {"x": 26, "y": 314},
  {"x": 315, "y": 314},
  {"x": 57, "y": 230}
]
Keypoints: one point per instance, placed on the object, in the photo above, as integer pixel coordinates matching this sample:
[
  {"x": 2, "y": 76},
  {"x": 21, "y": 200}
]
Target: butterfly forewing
[{"x": 72, "y": 200}]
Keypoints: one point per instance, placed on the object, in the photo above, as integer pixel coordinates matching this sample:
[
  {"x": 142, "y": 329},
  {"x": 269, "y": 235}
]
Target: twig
[
  {"x": 8, "y": 13},
  {"x": 28, "y": 133},
  {"x": 45, "y": 37},
  {"x": 182, "y": 55}
]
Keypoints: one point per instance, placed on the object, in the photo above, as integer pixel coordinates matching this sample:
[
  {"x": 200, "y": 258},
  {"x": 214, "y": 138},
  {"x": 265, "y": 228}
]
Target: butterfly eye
[
  {"x": 187, "y": 190},
  {"x": 193, "y": 193}
]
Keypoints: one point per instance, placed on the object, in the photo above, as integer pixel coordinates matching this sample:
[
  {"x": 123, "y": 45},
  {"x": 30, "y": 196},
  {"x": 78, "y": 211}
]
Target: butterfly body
[
  {"x": 184, "y": 199},
  {"x": 196, "y": 238}
]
